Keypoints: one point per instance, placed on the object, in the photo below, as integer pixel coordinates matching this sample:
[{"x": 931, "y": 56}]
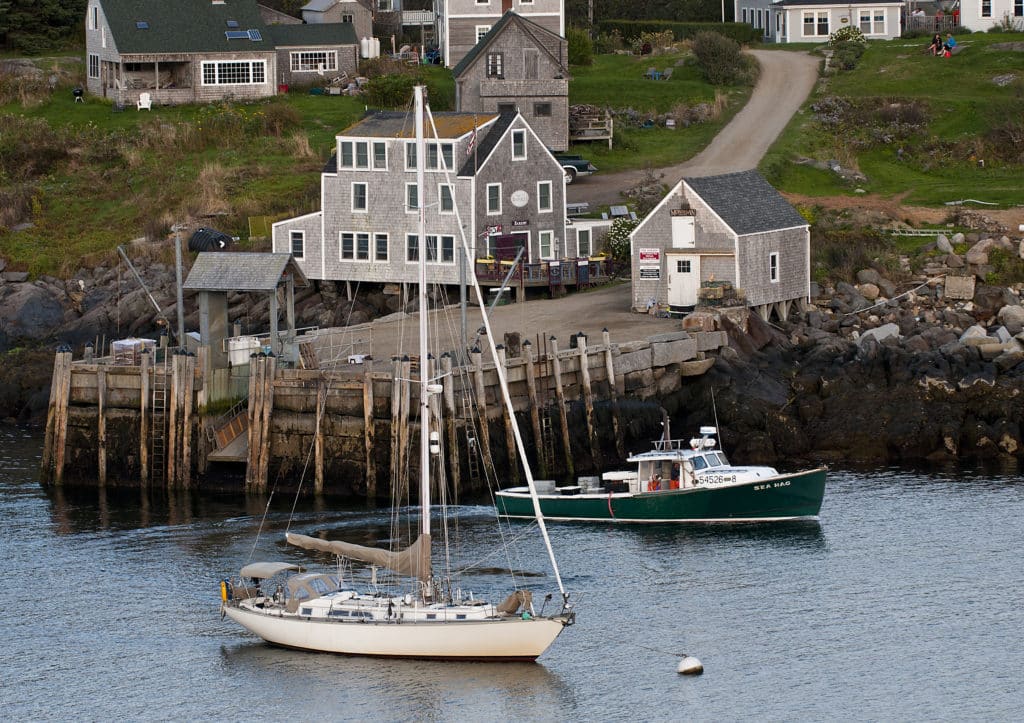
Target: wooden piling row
[
  {"x": 588, "y": 399},
  {"x": 101, "y": 426},
  {"x": 188, "y": 395},
  {"x": 510, "y": 439},
  {"x": 261, "y": 401},
  {"x": 451, "y": 430},
  {"x": 369, "y": 434},
  {"x": 404, "y": 405},
  {"x": 145, "y": 372},
  {"x": 481, "y": 400},
  {"x": 396, "y": 395},
  {"x": 57, "y": 420},
  {"x": 318, "y": 439}
]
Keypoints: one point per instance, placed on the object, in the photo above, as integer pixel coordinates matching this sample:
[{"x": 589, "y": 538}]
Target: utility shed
[{"x": 215, "y": 273}]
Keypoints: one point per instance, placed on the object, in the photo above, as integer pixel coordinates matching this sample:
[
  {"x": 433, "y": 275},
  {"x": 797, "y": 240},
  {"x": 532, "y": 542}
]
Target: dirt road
[{"x": 786, "y": 80}]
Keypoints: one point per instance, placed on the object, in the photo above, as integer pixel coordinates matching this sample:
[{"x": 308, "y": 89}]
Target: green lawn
[{"x": 952, "y": 155}]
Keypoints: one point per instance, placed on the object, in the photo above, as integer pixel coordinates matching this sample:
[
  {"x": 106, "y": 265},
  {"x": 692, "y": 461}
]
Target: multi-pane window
[
  {"x": 544, "y": 196},
  {"x": 412, "y": 247},
  {"x": 440, "y": 248},
  {"x": 542, "y": 110},
  {"x": 412, "y": 197},
  {"x": 298, "y": 239},
  {"x": 872, "y": 22},
  {"x": 385, "y": 6},
  {"x": 481, "y": 31},
  {"x": 94, "y": 17},
  {"x": 440, "y": 152},
  {"x": 683, "y": 267},
  {"x": 495, "y": 65},
  {"x": 94, "y": 65},
  {"x": 546, "y": 241},
  {"x": 1018, "y": 8},
  {"x": 773, "y": 266},
  {"x": 815, "y": 23},
  {"x": 583, "y": 245},
  {"x": 380, "y": 247},
  {"x": 359, "y": 203},
  {"x": 446, "y": 199},
  {"x": 447, "y": 249},
  {"x": 355, "y": 154},
  {"x": 518, "y": 145},
  {"x": 307, "y": 61},
  {"x": 380, "y": 156},
  {"x": 986, "y": 8},
  {"x": 234, "y": 72},
  {"x": 410, "y": 156},
  {"x": 493, "y": 198},
  {"x": 362, "y": 247},
  {"x": 431, "y": 245},
  {"x": 348, "y": 246},
  {"x": 355, "y": 247}
]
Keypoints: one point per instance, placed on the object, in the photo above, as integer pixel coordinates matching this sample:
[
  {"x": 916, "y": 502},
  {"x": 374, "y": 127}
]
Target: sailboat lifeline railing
[{"x": 502, "y": 383}]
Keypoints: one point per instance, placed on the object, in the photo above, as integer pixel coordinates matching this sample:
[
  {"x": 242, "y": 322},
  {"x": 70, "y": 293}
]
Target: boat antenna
[{"x": 714, "y": 408}]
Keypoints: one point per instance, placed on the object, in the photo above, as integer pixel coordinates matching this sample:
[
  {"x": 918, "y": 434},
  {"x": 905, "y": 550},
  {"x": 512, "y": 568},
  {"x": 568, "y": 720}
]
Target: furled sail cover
[{"x": 413, "y": 560}]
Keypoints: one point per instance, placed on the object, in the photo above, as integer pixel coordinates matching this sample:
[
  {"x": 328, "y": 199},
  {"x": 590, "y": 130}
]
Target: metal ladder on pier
[
  {"x": 158, "y": 440},
  {"x": 547, "y": 437},
  {"x": 472, "y": 439}
]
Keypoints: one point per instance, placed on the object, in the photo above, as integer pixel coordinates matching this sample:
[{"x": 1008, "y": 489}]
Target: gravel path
[{"x": 786, "y": 80}]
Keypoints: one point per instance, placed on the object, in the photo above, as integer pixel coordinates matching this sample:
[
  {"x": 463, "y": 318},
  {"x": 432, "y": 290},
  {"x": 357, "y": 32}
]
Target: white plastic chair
[{"x": 144, "y": 102}]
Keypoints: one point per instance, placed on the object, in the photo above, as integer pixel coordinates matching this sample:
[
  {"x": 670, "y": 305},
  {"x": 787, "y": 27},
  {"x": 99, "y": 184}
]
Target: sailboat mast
[{"x": 421, "y": 246}]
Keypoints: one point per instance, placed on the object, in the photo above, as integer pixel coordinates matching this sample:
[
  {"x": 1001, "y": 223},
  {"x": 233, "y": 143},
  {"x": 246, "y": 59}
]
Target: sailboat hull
[{"x": 512, "y": 639}]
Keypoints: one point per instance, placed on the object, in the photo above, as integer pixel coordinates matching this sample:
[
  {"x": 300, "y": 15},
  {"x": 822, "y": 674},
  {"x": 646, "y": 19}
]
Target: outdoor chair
[
  {"x": 144, "y": 102},
  {"x": 651, "y": 73},
  {"x": 667, "y": 74}
]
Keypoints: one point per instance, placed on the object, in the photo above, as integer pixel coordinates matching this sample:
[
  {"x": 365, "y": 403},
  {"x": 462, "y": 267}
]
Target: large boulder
[
  {"x": 1012, "y": 317},
  {"x": 28, "y": 311}
]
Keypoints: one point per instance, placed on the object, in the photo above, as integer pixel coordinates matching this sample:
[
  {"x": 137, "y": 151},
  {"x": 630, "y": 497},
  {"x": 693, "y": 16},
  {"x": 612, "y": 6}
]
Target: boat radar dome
[{"x": 690, "y": 666}]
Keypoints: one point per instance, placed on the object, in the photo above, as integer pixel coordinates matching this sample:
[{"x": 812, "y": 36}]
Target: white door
[{"x": 683, "y": 279}]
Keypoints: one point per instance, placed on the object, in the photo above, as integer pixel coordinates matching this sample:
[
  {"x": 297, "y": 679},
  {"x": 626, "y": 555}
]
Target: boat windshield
[{"x": 699, "y": 462}]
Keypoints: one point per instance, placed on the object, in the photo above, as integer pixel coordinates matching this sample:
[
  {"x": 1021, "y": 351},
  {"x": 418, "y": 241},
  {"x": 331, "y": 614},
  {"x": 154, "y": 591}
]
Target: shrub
[
  {"x": 847, "y": 54},
  {"x": 630, "y": 29},
  {"x": 849, "y": 34},
  {"x": 616, "y": 241},
  {"x": 581, "y": 47},
  {"x": 277, "y": 118},
  {"x": 609, "y": 42},
  {"x": 720, "y": 59},
  {"x": 389, "y": 91}
]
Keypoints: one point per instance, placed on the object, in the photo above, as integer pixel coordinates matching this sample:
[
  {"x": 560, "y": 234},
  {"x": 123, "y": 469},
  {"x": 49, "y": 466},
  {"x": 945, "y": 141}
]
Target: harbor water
[{"x": 902, "y": 603}]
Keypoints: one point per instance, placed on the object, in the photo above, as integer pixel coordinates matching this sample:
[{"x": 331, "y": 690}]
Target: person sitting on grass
[
  {"x": 947, "y": 47},
  {"x": 936, "y": 47}
]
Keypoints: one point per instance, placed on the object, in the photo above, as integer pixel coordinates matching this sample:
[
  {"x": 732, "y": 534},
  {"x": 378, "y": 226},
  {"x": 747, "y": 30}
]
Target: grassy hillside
[
  {"x": 86, "y": 178},
  {"x": 924, "y": 129}
]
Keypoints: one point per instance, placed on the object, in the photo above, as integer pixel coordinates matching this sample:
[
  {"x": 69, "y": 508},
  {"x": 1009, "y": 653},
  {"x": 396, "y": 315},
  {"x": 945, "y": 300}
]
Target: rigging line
[
  {"x": 259, "y": 530},
  {"x": 714, "y": 408},
  {"x": 479, "y": 561}
]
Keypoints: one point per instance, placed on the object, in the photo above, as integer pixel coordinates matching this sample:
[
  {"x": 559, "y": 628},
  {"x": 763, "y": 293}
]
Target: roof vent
[{"x": 142, "y": 25}]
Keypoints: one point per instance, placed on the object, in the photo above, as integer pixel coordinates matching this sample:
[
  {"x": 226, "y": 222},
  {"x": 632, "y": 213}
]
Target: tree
[{"x": 35, "y": 26}]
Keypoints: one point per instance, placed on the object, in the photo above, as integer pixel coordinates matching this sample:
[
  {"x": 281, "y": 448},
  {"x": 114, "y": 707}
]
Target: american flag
[{"x": 472, "y": 139}]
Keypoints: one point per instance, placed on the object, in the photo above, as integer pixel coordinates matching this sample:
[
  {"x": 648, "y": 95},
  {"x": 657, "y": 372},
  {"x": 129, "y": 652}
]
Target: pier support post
[
  {"x": 563, "y": 417},
  {"x": 145, "y": 370},
  {"x": 403, "y": 412},
  {"x": 396, "y": 402},
  {"x": 57, "y": 419},
  {"x": 369, "y": 436},
  {"x": 101, "y": 425},
  {"x": 188, "y": 391},
  {"x": 510, "y": 440},
  {"x": 451, "y": 433},
  {"x": 531, "y": 389},
  {"x": 588, "y": 399},
  {"x": 481, "y": 401},
  {"x": 269, "y": 372},
  {"x": 318, "y": 439},
  {"x": 613, "y": 392}
]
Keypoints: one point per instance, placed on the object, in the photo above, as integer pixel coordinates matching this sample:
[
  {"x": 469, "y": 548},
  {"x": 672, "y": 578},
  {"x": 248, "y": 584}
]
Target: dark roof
[
  {"x": 184, "y": 26},
  {"x": 241, "y": 271},
  {"x": 487, "y": 144},
  {"x": 313, "y": 34},
  {"x": 746, "y": 202},
  {"x": 332, "y": 164},
  {"x": 529, "y": 27},
  {"x": 399, "y": 124}
]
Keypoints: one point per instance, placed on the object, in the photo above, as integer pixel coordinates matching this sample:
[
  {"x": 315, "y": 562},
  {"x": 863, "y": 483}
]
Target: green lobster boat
[{"x": 677, "y": 481}]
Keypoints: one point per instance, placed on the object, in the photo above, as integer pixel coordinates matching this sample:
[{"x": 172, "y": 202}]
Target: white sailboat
[{"x": 319, "y": 612}]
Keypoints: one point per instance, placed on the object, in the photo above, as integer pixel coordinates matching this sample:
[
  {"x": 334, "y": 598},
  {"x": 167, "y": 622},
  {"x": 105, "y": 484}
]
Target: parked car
[{"x": 575, "y": 166}]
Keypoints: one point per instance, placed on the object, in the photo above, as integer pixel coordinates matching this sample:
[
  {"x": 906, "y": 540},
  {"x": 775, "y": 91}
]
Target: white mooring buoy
[{"x": 690, "y": 666}]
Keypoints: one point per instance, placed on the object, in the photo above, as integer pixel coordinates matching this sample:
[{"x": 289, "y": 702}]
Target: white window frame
[
  {"x": 347, "y": 18},
  {"x": 299, "y": 236},
  {"x": 94, "y": 65},
  {"x": 94, "y": 17},
  {"x": 546, "y": 238},
  {"x": 495, "y": 65},
  {"x": 366, "y": 197},
  {"x": 773, "y": 267},
  {"x": 550, "y": 206},
  {"x": 377, "y": 237},
  {"x": 341, "y": 246},
  {"x": 986, "y": 8},
  {"x": 412, "y": 189},
  {"x": 410, "y": 155},
  {"x": 408, "y": 248},
  {"x": 684, "y": 266},
  {"x": 440, "y": 157},
  {"x": 446, "y": 192},
  {"x": 582, "y": 233},
  {"x": 256, "y": 67},
  {"x": 519, "y": 138},
  {"x": 446, "y": 250},
  {"x": 373, "y": 155},
  {"x": 481, "y": 31},
  {"x": 363, "y": 253},
  {"x": 492, "y": 211},
  {"x": 1018, "y": 8},
  {"x": 310, "y": 61},
  {"x": 816, "y": 15},
  {"x": 866, "y": 16}
]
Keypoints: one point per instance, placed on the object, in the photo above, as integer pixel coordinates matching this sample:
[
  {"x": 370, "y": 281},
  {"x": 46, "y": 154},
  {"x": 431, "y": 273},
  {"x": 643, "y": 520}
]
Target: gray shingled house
[
  {"x": 519, "y": 65},
  {"x": 462, "y": 23},
  {"x": 734, "y": 227},
  {"x": 487, "y": 173},
  {"x": 197, "y": 51},
  {"x": 340, "y": 11}
]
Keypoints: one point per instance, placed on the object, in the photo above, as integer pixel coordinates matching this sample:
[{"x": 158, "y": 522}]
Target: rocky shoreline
[{"x": 931, "y": 369}]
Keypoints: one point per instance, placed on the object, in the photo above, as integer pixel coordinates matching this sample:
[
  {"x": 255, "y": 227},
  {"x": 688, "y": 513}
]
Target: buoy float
[{"x": 690, "y": 666}]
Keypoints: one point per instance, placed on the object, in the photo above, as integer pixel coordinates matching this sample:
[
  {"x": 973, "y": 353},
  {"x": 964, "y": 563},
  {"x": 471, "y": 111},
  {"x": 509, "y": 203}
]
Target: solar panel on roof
[
  {"x": 254, "y": 35},
  {"x": 236, "y": 34},
  {"x": 142, "y": 25},
  {"x": 232, "y": 23}
]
